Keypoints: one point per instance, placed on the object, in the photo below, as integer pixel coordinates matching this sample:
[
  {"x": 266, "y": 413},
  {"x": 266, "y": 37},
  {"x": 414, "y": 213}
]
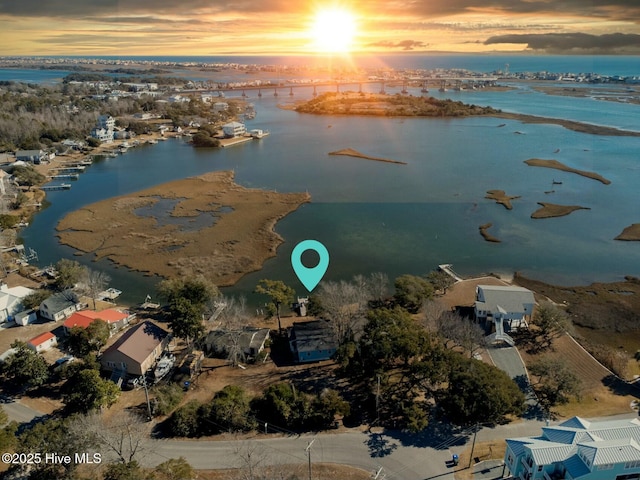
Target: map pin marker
[{"x": 310, "y": 277}]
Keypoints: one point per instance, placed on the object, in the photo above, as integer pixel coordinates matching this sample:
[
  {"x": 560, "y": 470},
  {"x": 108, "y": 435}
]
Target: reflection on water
[{"x": 403, "y": 218}]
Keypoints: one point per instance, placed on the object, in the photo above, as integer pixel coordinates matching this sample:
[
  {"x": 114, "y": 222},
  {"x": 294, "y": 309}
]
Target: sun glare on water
[{"x": 333, "y": 30}]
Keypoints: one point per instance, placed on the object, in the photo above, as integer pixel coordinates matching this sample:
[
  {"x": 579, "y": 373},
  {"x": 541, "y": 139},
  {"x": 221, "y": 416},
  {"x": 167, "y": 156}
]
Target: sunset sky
[{"x": 220, "y": 27}]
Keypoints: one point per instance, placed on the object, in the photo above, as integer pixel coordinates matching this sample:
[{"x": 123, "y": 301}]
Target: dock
[
  {"x": 447, "y": 268},
  {"x": 230, "y": 142},
  {"x": 62, "y": 186},
  {"x": 66, "y": 176}
]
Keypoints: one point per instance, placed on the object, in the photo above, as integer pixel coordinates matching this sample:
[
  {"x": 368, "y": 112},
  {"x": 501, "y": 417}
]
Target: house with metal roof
[
  {"x": 116, "y": 319},
  {"x": 250, "y": 341},
  {"x": 136, "y": 351},
  {"x": 578, "y": 449},
  {"x": 60, "y": 306},
  {"x": 312, "y": 341},
  {"x": 42, "y": 342}
]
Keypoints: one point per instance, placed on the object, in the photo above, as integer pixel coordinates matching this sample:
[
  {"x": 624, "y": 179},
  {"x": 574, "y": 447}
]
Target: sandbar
[
  {"x": 214, "y": 228},
  {"x": 501, "y": 197},
  {"x": 631, "y": 233},
  {"x": 538, "y": 162},
  {"x": 569, "y": 124},
  {"x": 550, "y": 210},
  {"x": 350, "y": 152},
  {"x": 486, "y": 235}
]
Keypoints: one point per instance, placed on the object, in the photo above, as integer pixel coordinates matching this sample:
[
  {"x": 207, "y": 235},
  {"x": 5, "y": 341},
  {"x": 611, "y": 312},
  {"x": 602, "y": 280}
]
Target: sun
[{"x": 333, "y": 30}]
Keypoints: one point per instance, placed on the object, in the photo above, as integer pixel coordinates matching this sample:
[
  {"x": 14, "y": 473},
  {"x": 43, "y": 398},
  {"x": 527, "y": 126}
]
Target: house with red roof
[
  {"x": 42, "y": 342},
  {"x": 117, "y": 319}
]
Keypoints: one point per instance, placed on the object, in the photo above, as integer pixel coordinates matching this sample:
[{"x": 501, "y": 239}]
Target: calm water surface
[{"x": 407, "y": 219}]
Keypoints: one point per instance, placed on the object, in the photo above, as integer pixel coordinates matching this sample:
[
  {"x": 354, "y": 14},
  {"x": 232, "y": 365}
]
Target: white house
[
  {"x": 234, "y": 129},
  {"x": 105, "y": 136},
  {"x": 578, "y": 449},
  {"x": 11, "y": 301},
  {"x": 42, "y": 342},
  {"x": 512, "y": 305},
  {"x": 107, "y": 122}
]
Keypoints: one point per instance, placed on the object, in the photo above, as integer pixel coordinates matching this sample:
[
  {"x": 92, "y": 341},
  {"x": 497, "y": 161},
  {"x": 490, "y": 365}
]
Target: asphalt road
[
  {"x": 362, "y": 450},
  {"x": 403, "y": 457},
  {"x": 19, "y": 412}
]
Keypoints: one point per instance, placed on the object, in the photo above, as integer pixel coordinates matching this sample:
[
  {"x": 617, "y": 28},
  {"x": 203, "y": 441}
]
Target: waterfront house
[
  {"x": 116, "y": 319},
  {"x": 136, "y": 351},
  {"x": 32, "y": 156},
  {"x": 234, "y": 129},
  {"x": 250, "y": 341},
  {"x": 312, "y": 341},
  {"x": 509, "y": 304},
  {"x": 578, "y": 449},
  {"x": 105, "y": 136},
  {"x": 42, "y": 342},
  {"x": 107, "y": 122},
  {"x": 11, "y": 301},
  {"x": 59, "y": 306}
]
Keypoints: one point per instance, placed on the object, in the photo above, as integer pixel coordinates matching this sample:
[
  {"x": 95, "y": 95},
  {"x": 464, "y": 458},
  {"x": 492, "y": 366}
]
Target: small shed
[{"x": 42, "y": 342}]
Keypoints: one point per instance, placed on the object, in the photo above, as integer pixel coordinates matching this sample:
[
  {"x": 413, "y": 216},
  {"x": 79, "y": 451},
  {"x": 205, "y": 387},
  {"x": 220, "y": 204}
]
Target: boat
[
  {"x": 152, "y": 141},
  {"x": 164, "y": 366},
  {"x": 258, "y": 133}
]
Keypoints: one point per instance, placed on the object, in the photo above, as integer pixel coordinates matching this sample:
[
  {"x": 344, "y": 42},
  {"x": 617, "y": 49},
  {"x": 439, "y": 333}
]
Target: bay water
[{"x": 399, "y": 219}]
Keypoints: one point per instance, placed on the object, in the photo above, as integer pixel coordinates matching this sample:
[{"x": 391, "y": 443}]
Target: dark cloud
[
  {"x": 403, "y": 44},
  {"x": 572, "y": 42},
  {"x": 628, "y": 10}
]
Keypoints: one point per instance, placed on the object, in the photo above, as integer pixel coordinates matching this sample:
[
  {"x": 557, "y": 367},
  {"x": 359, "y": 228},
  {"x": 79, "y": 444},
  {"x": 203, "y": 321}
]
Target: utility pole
[
  {"x": 146, "y": 394},
  {"x": 308, "y": 450},
  {"x": 378, "y": 400},
  {"x": 475, "y": 432}
]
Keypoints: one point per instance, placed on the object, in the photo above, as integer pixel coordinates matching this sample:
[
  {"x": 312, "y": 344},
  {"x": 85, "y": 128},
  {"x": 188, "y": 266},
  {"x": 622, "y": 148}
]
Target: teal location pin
[{"x": 310, "y": 277}]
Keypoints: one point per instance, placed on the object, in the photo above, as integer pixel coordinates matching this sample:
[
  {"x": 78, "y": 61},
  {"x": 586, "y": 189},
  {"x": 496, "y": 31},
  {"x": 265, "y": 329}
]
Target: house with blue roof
[{"x": 578, "y": 449}]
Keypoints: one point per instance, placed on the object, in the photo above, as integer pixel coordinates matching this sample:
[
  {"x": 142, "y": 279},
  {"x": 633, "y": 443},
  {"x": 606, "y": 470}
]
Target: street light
[{"x": 308, "y": 450}]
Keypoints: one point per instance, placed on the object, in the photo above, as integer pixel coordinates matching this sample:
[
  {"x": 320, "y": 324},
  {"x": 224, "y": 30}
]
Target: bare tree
[
  {"x": 456, "y": 331},
  {"x": 344, "y": 304},
  {"x": 250, "y": 457},
  {"x": 122, "y": 435},
  {"x": 93, "y": 282},
  {"x": 233, "y": 320},
  {"x": 431, "y": 312}
]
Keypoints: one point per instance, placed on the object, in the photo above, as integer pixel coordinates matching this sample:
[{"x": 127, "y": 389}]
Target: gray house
[
  {"x": 250, "y": 341},
  {"x": 312, "y": 341},
  {"x": 33, "y": 156},
  {"x": 60, "y": 306}
]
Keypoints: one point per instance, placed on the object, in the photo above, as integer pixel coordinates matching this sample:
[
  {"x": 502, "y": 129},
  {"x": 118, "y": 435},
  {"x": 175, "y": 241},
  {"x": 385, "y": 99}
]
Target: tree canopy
[
  {"x": 279, "y": 294},
  {"x": 555, "y": 384},
  {"x": 187, "y": 300},
  {"x": 87, "y": 391},
  {"x": 25, "y": 367},
  {"x": 480, "y": 393},
  {"x": 412, "y": 292}
]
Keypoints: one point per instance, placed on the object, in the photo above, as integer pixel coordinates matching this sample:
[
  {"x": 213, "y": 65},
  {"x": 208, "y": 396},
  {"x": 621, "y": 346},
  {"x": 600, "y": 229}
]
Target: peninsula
[
  {"x": 205, "y": 225},
  {"x": 537, "y": 162},
  {"x": 372, "y": 104},
  {"x": 350, "y": 152}
]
